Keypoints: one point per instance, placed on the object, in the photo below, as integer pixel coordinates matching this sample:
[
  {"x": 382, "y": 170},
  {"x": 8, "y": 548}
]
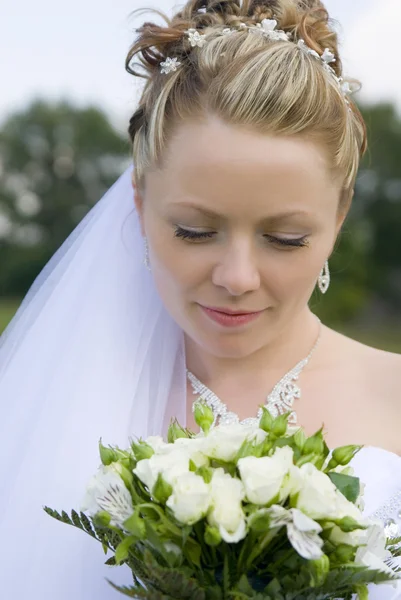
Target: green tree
[{"x": 57, "y": 161}]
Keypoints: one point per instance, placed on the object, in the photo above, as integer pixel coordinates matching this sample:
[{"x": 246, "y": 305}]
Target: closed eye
[
  {"x": 289, "y": 242},
  {"x": 189, "y": 234}
]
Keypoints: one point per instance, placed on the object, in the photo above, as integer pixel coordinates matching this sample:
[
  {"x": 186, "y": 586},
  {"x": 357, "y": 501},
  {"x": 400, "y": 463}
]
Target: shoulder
[{"x": 380, "y": 369}]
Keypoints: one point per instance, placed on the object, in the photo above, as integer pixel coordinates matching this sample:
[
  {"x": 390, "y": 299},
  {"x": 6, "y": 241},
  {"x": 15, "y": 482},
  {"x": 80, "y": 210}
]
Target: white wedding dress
[{"x": 92, "y": 353}]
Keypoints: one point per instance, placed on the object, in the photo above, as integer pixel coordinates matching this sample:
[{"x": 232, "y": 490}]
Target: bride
[{"x": 193, "y": 276}]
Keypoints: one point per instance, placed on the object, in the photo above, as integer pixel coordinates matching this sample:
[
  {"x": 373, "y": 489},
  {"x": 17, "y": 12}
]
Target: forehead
[{"x": 220, "y": 163}]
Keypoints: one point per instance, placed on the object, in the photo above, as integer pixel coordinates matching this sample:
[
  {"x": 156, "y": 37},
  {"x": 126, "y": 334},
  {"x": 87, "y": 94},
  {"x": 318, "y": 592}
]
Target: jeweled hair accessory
[
  {"x": 196, "y": 38},
  {"x": 267, "y": 28},
  {"x": 169, "y": 65},
  {"x": 326, "y": 59}
]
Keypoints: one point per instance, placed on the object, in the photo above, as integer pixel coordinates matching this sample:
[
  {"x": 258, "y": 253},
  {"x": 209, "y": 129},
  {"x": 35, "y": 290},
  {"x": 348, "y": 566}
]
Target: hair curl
[{"x": 244, "y": 80}]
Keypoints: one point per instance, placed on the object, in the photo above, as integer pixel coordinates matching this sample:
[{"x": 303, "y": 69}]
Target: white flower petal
[
  {"x": 107, "y": 491},
  {"x": 304, "y": 523},
  {"x": 307, "y": 544},
  {"x": 236, "y": 536}
]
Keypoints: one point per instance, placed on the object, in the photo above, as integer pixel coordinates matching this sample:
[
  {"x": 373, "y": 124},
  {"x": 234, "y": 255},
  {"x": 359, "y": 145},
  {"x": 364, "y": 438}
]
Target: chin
[{"x": 229, "y": 348}]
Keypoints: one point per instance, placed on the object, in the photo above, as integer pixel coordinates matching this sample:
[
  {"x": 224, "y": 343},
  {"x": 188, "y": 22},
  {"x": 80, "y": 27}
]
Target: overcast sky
[{"x": 76, "y": 50}]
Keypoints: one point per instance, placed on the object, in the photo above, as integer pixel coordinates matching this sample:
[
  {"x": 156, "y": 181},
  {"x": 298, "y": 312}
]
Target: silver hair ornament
[
  {"x": 169, "y": 65},
  {"x": 268, "y": 29},
  {"x": 196, "y": 38}
]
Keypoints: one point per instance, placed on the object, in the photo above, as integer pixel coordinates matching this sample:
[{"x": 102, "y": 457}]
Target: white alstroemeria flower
[
  {"x": 226, "y": 511},
  {"x": 373, "y": 553},
  {"x": 196, "y": 38},
  {"x": 224, "y": 441},
  {"x": 302, "y": 532},
  {"x": 170, "y": 465},
  {"x": 319, "y": 498},
  {"x": 265, "y": 477},
  {"x": 190, "y": 499},
  {"x": 106, "y": 491}
]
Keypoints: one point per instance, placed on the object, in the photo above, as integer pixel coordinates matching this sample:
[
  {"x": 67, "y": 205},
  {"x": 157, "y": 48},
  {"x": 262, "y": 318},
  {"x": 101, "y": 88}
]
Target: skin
[{"x": 244, "y": 192}]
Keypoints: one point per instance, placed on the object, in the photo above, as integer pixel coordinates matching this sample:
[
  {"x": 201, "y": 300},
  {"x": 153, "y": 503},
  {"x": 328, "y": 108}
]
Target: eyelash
[{"x": 187, "y": 234}]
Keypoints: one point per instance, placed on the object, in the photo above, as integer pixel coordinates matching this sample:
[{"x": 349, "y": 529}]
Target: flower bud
[
  {"x": 314, "y": 444},
  {"x": 345, "y": 454},
  {"x": 259, "y": 521},
  {"x": 136, "y": 525},
  {"x": 212, "y": 536},
  {"x": 203, "y": 415},
  {"x": 280, "y": 424},
  {"x": 175, "y": 431},
  {"x": 348, "y": 524},
  {"x": 162, "y": 490},
  {"x": 142, "y": 450},
  {"x": 319, "y": 569},
  {"x": 300, "y": 439},
  {"x": 107, "y": 455},
  {"x": 124, "y": 473},
  {"x": 266, "y": 420},
  {"x": 345, "y": 553},
  {"x": 102, "y": 519}
]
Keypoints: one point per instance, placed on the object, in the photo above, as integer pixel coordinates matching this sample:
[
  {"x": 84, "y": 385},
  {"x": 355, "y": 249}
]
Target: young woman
[{"x": 246, "y": 146}]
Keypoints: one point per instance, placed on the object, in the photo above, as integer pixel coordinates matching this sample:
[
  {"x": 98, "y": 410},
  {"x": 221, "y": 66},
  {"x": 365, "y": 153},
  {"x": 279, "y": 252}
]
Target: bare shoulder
[{"x": 381, "y": 369}]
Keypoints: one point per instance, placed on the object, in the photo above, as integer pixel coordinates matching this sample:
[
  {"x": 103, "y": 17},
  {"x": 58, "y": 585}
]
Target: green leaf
[
  {"x": 123, "y": 547},
  {"x": 349, "y": 486}
]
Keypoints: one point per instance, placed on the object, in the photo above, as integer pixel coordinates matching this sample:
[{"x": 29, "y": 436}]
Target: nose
[{"x": 237, "y": 270}]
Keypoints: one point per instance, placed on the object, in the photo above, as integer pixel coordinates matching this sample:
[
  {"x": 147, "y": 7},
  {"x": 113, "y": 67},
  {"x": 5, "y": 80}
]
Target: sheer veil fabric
[{"x": 91, "y": 352}]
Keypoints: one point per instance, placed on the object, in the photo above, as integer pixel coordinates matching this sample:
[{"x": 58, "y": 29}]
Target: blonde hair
[{"x": 244, "y": 80}]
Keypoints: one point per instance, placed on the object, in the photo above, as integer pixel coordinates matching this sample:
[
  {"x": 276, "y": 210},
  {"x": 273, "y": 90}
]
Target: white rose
[
  {"x": 195, "y": 449},
  {"x": 157, "y": 443},
  {"x": 224, "y": 441},
  {"x": 170, "y": 465},
  {"x": 319, "y": 498},
  {"x": 226, "y": 511},
  {"x": 106, "y": 491},
  {"x": 190, "y": 499},
  {"x": 265, "y": 477}
]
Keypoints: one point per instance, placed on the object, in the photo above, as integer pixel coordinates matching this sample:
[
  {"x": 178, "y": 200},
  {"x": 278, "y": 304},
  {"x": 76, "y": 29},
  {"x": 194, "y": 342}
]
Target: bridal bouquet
[{"x": 235, "y": 512}]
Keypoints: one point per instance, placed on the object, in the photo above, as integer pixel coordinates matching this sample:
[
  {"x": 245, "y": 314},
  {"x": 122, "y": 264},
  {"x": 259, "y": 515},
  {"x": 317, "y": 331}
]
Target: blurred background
[{"x": 64, "y": 111}]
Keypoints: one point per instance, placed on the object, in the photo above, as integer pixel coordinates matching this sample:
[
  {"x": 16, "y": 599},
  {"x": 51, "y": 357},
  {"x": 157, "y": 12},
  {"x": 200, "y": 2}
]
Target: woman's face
[{"x": 238, "y": 222}]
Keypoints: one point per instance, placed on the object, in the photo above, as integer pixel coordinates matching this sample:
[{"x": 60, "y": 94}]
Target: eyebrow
[{"x": 208, "y": 212}]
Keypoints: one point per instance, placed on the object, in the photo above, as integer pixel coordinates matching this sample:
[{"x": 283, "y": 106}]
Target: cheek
[
  {"x": 176, "y": 270},
  {"x": 292, "y": 275}
]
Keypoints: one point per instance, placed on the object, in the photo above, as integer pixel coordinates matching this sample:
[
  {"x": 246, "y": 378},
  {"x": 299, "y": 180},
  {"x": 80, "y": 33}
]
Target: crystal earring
[
  {"x": 324, "y": 278},
  {"x": 146, "y": 261}
]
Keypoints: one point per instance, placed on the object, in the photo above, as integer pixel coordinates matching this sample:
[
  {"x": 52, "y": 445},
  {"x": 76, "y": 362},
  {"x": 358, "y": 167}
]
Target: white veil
[{"x": 91, "y": 353}]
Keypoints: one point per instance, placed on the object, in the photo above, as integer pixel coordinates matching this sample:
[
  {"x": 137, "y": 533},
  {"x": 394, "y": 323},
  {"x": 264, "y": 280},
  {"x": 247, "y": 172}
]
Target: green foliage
[
  {"x": 65, "y": 158},
  {"x": 169, "y": 559}
]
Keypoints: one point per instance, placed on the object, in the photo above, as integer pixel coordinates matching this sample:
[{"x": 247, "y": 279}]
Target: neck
[{"x": 291, "y": 343}]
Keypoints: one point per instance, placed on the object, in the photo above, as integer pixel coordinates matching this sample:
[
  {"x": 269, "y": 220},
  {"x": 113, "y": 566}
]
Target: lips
[{"x": 230, "y": 318}]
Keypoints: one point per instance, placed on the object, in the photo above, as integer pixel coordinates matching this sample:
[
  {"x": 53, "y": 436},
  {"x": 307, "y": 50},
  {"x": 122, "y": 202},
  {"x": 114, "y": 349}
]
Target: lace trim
[{"x": 390, "y": 515}]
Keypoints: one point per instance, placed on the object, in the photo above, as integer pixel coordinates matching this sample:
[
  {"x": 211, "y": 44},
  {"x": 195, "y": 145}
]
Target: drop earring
[
  {"x": 324, "y": 278},
  {"x": 146, "y": 261}
]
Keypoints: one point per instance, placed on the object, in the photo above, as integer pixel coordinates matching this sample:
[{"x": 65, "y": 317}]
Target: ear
[{"x": 138, "y": 199}]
